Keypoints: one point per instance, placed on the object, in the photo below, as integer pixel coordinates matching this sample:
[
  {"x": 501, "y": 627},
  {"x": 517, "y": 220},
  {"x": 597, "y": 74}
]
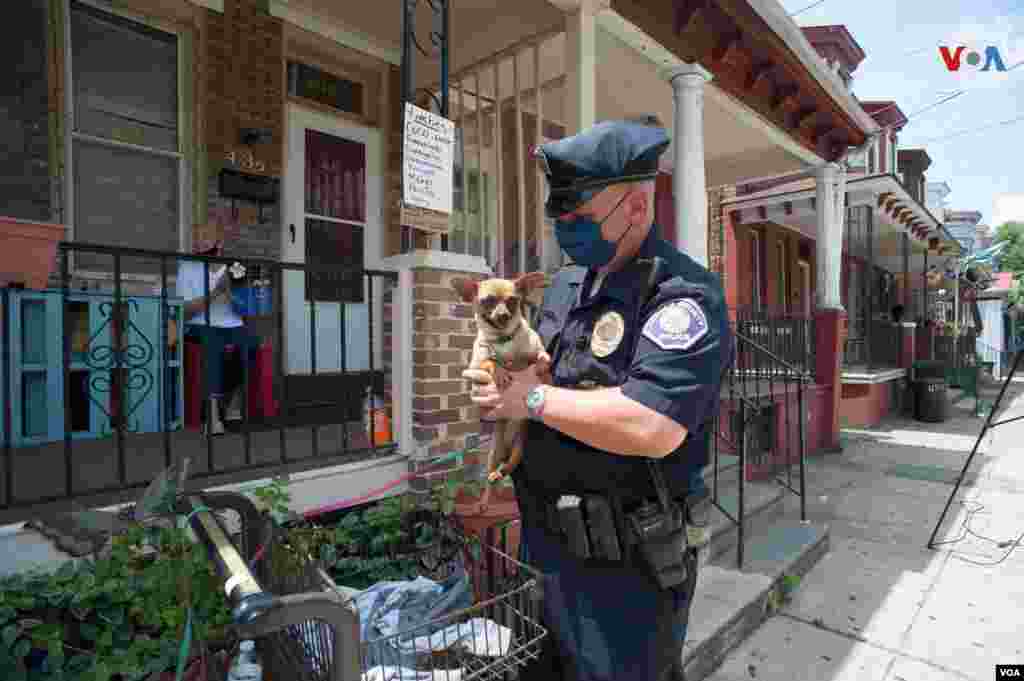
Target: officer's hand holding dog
[{"x": 510, "y": 402}]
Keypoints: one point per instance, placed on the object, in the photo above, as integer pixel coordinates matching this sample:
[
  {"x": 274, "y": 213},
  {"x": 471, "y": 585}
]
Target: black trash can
[
  {"x": 928, "y": 368},
  {"x": 931, "y": 401}
]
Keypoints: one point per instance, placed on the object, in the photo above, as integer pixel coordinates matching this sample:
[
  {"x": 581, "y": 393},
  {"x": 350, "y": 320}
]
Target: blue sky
[{"x": 985, "y": 170}]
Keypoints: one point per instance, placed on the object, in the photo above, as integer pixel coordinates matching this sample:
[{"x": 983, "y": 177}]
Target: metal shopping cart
[{"x": 307, "y": 628}]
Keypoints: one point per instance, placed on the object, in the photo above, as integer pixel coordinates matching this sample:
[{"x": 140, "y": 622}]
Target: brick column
[
  {"x": 721, "y": 236},
  {"x": 830, "y": 331},
  {"x": 444, "y": 329},
  {"x": 830, "y": 318}
]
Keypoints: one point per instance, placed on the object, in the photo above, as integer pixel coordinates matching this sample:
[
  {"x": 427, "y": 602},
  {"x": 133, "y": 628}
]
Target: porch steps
[
  {"x": 759, "y": 499},
  {"x": 731, "y": 604},
  {"x": 726, "y": 463}
]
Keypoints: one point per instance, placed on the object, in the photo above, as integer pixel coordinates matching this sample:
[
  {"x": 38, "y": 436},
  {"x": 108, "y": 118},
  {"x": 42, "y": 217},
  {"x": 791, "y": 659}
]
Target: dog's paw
[{"x": 478, "y": 376}]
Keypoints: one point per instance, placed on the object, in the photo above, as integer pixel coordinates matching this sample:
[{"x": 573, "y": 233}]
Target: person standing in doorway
[{"x": 211, "y": 321}]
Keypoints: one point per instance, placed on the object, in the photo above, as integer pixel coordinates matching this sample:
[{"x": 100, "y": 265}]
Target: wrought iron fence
[
  {"x": 788, "y": 337},
  {"x": 886, "y": 342},
  {"x": 105, "y": 377},
  {"x": 957, "y": 351},
  {"x": 761, "y": 428},
  {"x": 873, "y": 345}
]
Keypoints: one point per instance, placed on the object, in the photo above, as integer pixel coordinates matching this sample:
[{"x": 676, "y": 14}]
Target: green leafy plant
[
  {"x": 122, "y": 616},
  {"x": 275, "y": 498}
]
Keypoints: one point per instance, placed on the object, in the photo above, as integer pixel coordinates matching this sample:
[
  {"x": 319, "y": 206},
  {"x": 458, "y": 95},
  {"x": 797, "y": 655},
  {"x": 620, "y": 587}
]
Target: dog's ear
[
  {"x": 529, "y": 281},
  {"x": 466, "y": 288}
]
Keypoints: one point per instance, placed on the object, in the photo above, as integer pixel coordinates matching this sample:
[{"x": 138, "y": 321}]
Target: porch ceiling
[
  {"x": 759, "y": 55},
  {"x": 479, "y": 28},
  {"x": 793, "y": 205},
  {"x": 628, "y": 83}
]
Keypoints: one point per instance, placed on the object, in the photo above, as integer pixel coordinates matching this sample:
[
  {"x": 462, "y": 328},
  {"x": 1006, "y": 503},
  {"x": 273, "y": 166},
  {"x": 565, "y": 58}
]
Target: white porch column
[
  {"x": 831, "y": 214},
  {"x": 689, "y": 182},
  {"x": 401, "y": 361},
  {"x": 580, "y": 63}
]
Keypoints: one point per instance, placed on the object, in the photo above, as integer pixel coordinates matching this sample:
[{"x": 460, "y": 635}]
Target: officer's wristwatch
[{"x": 535, "y": 402}]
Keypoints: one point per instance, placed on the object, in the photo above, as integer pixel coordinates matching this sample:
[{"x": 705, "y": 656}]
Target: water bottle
[{"x": 246, "y": 667}]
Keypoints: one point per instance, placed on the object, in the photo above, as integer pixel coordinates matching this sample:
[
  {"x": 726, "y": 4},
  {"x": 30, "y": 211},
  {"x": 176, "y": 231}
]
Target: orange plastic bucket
[{"x": 380, "y": 424}]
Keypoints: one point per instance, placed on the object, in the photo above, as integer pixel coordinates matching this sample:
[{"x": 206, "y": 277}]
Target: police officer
[{"x": 638, "y": 339}]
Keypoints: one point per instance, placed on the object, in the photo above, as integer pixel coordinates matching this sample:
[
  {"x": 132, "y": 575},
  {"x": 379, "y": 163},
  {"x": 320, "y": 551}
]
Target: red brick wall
[
  {"x": 443, "y": 334},
  {"x": 864, "y": 404}
]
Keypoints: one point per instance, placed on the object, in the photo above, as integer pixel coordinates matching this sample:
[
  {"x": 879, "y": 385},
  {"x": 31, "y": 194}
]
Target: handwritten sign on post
[{"x": 427, "y": 161}]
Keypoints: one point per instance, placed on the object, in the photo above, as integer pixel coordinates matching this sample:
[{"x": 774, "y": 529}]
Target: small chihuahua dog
[{"x": 504, "y": 342}]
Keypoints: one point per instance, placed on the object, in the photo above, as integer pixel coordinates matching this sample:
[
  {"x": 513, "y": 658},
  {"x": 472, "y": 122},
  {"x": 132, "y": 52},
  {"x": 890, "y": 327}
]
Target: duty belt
[{"x": 596, "y": 526}]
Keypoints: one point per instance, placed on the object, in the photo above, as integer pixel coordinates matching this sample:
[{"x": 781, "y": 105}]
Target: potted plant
[
  {"x": 478, "y": 505},
  {"x": 29, "y": 254}
]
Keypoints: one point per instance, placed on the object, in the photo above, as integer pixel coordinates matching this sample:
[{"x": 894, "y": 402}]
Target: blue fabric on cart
[{"x": 389, "y": 608}]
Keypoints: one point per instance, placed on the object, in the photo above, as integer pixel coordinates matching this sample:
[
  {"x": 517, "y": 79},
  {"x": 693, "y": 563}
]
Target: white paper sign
[{"x": 427, "y": 172}]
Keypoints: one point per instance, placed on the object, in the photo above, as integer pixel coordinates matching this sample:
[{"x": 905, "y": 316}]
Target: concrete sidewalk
[{"x": 880, "y": 606}]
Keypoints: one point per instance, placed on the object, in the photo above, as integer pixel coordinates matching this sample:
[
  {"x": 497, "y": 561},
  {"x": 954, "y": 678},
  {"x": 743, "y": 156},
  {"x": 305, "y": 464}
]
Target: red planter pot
[
  {"x": 501, "y": 508},
  {"x": 29, "y": 252}
]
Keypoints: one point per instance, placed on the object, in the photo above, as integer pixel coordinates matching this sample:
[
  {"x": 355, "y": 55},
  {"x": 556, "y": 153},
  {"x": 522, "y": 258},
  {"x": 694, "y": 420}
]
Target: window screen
[
  {"x": 125, "y": 78},
  {"x": 125, "y": 198}
]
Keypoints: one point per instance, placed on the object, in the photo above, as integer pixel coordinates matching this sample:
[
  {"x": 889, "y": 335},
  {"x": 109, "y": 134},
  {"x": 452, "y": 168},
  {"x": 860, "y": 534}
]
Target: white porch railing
[{"x": 503, "y": 107}]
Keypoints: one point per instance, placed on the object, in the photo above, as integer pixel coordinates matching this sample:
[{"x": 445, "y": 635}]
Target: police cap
[{"x": 610, "y": 152}]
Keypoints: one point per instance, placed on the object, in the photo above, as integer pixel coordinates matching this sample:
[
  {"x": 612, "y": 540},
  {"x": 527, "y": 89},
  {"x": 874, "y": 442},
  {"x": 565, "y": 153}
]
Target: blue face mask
[{"x": 581, "y": 239}]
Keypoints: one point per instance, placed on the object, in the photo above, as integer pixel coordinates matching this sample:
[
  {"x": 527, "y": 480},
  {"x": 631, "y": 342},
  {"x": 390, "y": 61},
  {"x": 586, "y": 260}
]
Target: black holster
[{"x": 659, "y": 533}]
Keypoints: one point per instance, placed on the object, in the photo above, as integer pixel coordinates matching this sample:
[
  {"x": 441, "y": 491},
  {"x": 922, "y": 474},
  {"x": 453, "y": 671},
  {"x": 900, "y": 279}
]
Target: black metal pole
[
  {"x": 342, "y": 368},
  {"x": 165, "y": 373},
  {"x": 740, "y": 514},
  {"x": 967, "y": 464},
  {"x": 445, "y": 17},
  {"x": 869, "y": 288},
  {"x": 280, "y": 381},
  {"x": 65, "y": 280},
  {"x": 8, "y": 358},
  {"x": 924, "y": 304},
  {"x": 802, "y": 449},
  {"x": 121, "y": 330},
  {"x": 408, "y": 29},
  {"x": 311, "y": 278}
]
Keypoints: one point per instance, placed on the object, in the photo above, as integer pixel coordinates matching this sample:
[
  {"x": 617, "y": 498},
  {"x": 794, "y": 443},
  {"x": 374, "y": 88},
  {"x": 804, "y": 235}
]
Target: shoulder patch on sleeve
[{"x": 677, "y": 325}]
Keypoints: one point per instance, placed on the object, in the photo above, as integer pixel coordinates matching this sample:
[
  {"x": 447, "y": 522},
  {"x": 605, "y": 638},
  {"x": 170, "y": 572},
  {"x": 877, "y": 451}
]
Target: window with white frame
[
  {"x": 126, "y": 177},
  {"x": 857, "y": 160}
]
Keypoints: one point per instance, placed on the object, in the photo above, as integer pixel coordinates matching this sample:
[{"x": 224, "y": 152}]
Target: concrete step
[
  {"x": 726, "y": 466},
  {"x": 731, "y": 604},
  {"x": 759, "y": 499}
]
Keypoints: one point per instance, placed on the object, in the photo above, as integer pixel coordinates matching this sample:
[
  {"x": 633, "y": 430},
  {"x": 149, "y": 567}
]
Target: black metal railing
[
  {"x": 104, "y": 381},
  {"x": 761, "y": 427},
  {"x": 956, "y": 351},
  {"x": 872, "y": 346},
  {"x": 886, "y": 344},
  {"x": 788, "y": 337}
]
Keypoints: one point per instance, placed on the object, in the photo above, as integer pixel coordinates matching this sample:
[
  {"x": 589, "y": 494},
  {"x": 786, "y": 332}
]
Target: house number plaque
[{"x": 244, "y": 160}]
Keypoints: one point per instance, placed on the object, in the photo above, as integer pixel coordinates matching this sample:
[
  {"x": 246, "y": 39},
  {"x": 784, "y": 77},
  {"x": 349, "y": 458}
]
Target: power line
[
  {"x": 969, "y": 131},
  {"x": 955, "y": 94},
  {"x": 810, "y": 6},
  {"x": 932, "y": 106}
]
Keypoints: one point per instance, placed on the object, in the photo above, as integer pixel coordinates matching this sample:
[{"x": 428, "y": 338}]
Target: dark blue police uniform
[{"x": 666, "y": 348}]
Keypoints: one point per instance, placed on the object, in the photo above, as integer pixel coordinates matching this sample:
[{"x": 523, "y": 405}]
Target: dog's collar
[
  {"x": 501, "y": 340},
  {"x": 497, "y": 344}
]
